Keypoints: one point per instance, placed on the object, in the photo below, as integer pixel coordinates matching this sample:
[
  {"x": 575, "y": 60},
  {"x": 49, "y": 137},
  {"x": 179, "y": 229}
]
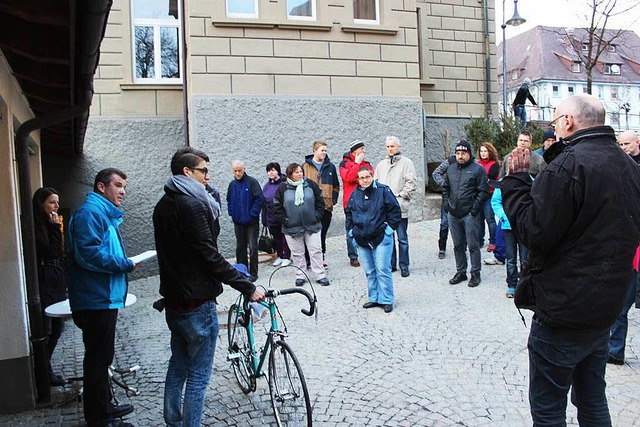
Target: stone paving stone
[{"x": 447, "y": 355}]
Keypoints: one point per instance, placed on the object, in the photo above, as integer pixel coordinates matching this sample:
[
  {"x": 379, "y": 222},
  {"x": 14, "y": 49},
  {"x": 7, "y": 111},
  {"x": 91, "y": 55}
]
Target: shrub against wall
[{"x": 503, "y": 135}]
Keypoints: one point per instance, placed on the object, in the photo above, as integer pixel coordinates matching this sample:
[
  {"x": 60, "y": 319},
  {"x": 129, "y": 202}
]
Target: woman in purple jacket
[{"x": 269, "y": 219}]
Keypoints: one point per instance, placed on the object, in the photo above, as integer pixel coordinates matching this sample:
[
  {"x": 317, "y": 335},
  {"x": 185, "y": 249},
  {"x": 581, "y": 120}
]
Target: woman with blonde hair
[{"x": 488, "y": 158}]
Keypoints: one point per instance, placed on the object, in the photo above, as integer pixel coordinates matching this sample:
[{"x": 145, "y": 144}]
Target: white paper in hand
[{"x": 144, "y": 256}]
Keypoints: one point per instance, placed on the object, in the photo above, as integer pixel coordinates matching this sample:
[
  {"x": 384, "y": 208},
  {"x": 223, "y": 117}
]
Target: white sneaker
[
  {"x": 277, "y": 262},
  {"x": 493, "y": 261},
  {"x": 285, "y": 262}
]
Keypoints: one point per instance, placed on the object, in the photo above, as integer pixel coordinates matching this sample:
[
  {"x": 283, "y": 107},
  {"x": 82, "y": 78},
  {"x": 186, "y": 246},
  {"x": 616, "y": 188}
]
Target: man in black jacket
[
  {"x": 464, "y": 192},
  {"x": 191, "y": 270},
  {"x": 580, "y": 221},
  {"x": 521, "y": 98}
]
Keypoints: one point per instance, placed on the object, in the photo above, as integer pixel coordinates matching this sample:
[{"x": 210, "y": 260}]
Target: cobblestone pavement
[{"x": 447, "y": 355}]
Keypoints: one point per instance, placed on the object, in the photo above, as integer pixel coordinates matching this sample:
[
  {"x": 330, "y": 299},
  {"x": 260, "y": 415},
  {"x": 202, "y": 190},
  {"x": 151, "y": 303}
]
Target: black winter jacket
[
  {"x": 580, "y": 220},
  {"x": 368, "y": 213},
  {"x": 465, "y": 189},
  {"x": 190, "y": 265}
]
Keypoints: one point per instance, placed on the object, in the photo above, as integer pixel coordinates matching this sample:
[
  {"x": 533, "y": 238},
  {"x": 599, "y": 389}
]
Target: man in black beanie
[{"x": 464, "y": 192}]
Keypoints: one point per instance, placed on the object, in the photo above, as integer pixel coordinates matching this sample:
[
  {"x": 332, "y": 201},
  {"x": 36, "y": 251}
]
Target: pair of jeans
[
  {"x": 280, "y": 242},
  {"x": 444, "y": 228},
  {"x": 98, "y": 335},
  {"x": 487, "y": 215},
  {"x": 560, "y": 359},
  {"x": 521, "y": 113},
  {"x": 378, "y": 269},
  {"x": 464, "y": 233},
  {"x": 193, "y": 344},
  {"x": 351, "y": 245},
  {"x": 247, "y": 238},
  {"x": 618, "y": 336},
  {"x": 403, "y": 245},
  {"x": 500, "y": 252},
  {"x": 513, "y": 248}
]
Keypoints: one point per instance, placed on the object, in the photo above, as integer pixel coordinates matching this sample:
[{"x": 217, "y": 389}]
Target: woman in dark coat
[
  {"x": 52, "y": 271},
  {"x": 269, "y": 218}
]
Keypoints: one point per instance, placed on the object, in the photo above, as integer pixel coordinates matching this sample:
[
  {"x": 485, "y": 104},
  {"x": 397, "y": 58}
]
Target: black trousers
[
  {"x": 98, "y": 335},
  {"x": 247, "y": 238}
]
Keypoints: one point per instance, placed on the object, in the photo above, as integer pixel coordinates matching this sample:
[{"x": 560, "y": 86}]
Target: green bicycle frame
[{"x": 258, "y": 362}]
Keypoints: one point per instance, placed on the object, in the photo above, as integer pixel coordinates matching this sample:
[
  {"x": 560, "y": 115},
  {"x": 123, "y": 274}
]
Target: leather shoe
[
  {"x": 615, "y": 361},
  {"x": 300, "y": 282},
  {"x": 404, "y": 272},
  {"x": 475, "y": 280},
  {"x": 370, "y": 304},
  {"x": 388, "y": 308},
  {"x": 117, "y": 411},
  {"x": 56, "y": 380},
  {"x": 459, "y": 277},
  {"x": 354, "y": 263},
  {"x": 324, "y": 282}
]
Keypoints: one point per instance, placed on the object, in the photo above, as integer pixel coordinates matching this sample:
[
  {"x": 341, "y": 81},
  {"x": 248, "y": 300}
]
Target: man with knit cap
[
  {"x": 399, "y": 174},
  {"x": 548, "y": 139},
  {"x": 351, "y": 163},
  {"x": 464, "y": 192}
]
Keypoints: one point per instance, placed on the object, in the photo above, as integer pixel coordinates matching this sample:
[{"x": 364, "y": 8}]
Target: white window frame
[
  {"x": 255, "y": 14},
  {"x": 576, "y": 67},
  {"x": 611, "y": 48},
  {"x": 555, "y": 90},
  {"x": 571, "y": 90},
  {"x": 369, "y": 21},
  {"x": 613, "y": 90},
  {"x": 313, "y": 17},
  {"x": 585, "y": 46},
  {"x": 156, "y": 24}
]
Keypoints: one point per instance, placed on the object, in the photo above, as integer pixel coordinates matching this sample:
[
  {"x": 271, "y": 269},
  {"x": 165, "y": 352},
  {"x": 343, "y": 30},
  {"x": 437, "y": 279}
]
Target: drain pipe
[
  {"x": 487, "y": 57},
  {"x": 38, "y": 338}
]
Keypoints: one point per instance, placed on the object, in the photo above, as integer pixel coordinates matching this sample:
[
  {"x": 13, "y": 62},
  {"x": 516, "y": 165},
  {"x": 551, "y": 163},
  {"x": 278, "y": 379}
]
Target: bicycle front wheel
[
  {"x": 239, "y": 351},
  {"x": 288, "y": 388}
]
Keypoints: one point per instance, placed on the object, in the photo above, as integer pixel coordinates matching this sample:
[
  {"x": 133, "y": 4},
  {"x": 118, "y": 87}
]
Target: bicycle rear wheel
[
  {"x": 288, "y": 388},
  {"x": 239, "y": 351}
]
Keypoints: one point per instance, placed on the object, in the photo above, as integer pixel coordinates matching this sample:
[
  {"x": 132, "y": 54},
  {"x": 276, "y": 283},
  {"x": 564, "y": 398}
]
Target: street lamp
[
  {"x": 515, "y": 20},
  {"x": 626, "y": 107}
]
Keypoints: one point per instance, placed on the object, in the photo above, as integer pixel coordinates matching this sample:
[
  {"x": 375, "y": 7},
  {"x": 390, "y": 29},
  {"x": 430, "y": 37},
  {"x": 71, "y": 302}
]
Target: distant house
[{"x": 547, "y": 55}]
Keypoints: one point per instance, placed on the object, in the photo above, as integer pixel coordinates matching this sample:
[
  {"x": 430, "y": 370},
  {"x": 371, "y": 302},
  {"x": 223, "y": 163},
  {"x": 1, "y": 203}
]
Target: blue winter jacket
[
  {"x": 244, "y": 200},
  {"x": 369, "y": 212},
  {"x": 99, "y": 265}
]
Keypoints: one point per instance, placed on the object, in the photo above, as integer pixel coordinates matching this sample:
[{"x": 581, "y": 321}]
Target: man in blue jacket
[
  {"x": 98, "y": 288},
  {"x": 244, "y": 201}
]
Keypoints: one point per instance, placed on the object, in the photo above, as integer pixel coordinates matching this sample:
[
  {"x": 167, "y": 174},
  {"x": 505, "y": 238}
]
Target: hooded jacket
[
  {"x": 99, "y": 265},
  {"x": 349, "y": 174},
  {"x": 580, "y": 220},
  {"x": 465, "y": 189},
  {"x": 326, "y": 178}
]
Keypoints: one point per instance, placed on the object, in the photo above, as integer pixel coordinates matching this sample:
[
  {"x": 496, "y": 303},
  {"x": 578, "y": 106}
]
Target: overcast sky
[{"x": 558, "y": 13}]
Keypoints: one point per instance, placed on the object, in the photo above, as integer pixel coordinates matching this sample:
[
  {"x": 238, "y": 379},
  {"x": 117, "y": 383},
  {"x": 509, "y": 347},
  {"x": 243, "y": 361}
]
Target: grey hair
[
  {"x": 394, "y": 139},
  {"x": 237, "y": 164},
  {"x": 588, "y": 111}
]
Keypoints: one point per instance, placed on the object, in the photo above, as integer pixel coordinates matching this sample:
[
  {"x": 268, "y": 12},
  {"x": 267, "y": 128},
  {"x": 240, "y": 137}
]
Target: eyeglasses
[
  {"x": 364, "y": 178},
  {"x": 204, "y": 171},
  {"x": 552, "y": 124}
]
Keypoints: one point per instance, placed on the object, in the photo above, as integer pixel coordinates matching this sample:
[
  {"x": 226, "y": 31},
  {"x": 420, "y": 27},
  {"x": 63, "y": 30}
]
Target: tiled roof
[{"x": 545, "y": 53}]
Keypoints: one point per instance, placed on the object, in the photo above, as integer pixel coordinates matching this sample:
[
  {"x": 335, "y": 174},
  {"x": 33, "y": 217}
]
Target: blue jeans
[
  {"x": 487, "y": 215},
  {"x": 560, "y": 359},
  {"x": 619, "y": 329},
  {"x": 500, "y": 252},
  {"x": 513, "y": 247},
  {"x": 521, "y": 113},
  {"x": 464, "y": 233},
  {"x": 403, "y": 245},
  {"x": 193, "y": 344},
  {"x": 378, "y": 270},
  {"x": 351, "y": 246},
  {"x": 444, "y": 229}
]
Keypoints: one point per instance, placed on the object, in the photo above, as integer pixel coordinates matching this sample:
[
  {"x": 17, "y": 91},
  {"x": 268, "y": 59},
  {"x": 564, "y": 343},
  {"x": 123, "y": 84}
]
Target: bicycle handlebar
[{"x": 272, "y": 293}]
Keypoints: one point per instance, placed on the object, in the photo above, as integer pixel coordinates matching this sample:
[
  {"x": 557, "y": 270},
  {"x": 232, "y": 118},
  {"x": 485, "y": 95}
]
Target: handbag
[{"x": 265, "y": 242}]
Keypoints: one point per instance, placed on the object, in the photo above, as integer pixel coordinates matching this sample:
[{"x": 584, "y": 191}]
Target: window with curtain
[
  {"x": 366, "y": 11},
  {"x": 156, "y": 41},
  {"x": 242, "y": 8},
  {"x": 301, "y": 9}
]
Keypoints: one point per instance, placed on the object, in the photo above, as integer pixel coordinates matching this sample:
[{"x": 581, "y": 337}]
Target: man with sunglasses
[
  {"x": 191, "y": 275},
  {"x": 580, "y": 221}
]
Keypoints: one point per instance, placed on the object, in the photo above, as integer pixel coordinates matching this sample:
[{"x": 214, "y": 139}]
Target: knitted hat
[
  {"x": 463, "y": 145},
  {"x": 355, "y": 145},
  {"x": 548, "y": 134}
]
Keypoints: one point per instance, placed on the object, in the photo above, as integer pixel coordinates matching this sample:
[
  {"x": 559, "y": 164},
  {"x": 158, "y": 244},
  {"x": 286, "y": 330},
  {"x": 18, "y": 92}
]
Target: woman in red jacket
[{"x": 488, "y": 157}]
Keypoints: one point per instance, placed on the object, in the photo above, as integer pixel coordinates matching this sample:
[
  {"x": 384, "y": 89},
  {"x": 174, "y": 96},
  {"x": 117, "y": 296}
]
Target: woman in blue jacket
[{"x": 372, "y": 215}]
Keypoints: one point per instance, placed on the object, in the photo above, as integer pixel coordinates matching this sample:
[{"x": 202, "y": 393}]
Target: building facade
[{"x": 551, "y": 58}]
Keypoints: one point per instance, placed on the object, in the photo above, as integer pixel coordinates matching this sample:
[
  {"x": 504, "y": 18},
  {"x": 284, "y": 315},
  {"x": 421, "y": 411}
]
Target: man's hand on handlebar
[{"x": 257, "y": 295}]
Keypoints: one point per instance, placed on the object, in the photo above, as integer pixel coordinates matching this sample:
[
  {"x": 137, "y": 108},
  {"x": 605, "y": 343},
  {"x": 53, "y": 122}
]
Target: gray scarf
[{"x": 185, "y": 185}]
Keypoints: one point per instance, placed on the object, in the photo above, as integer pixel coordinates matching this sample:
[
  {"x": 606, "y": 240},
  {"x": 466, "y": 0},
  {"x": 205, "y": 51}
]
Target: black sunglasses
[
  {"x": 204, "y": 171},
  {"x": 552, "y": 124}
]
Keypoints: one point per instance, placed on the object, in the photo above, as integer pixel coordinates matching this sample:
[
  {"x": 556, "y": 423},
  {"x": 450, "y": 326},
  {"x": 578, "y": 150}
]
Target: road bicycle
[{"x": 287, "y": 385}]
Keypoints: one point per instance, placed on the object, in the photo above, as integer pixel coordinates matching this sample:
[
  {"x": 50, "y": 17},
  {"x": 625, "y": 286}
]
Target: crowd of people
[{"x": 563, "y": 225}]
